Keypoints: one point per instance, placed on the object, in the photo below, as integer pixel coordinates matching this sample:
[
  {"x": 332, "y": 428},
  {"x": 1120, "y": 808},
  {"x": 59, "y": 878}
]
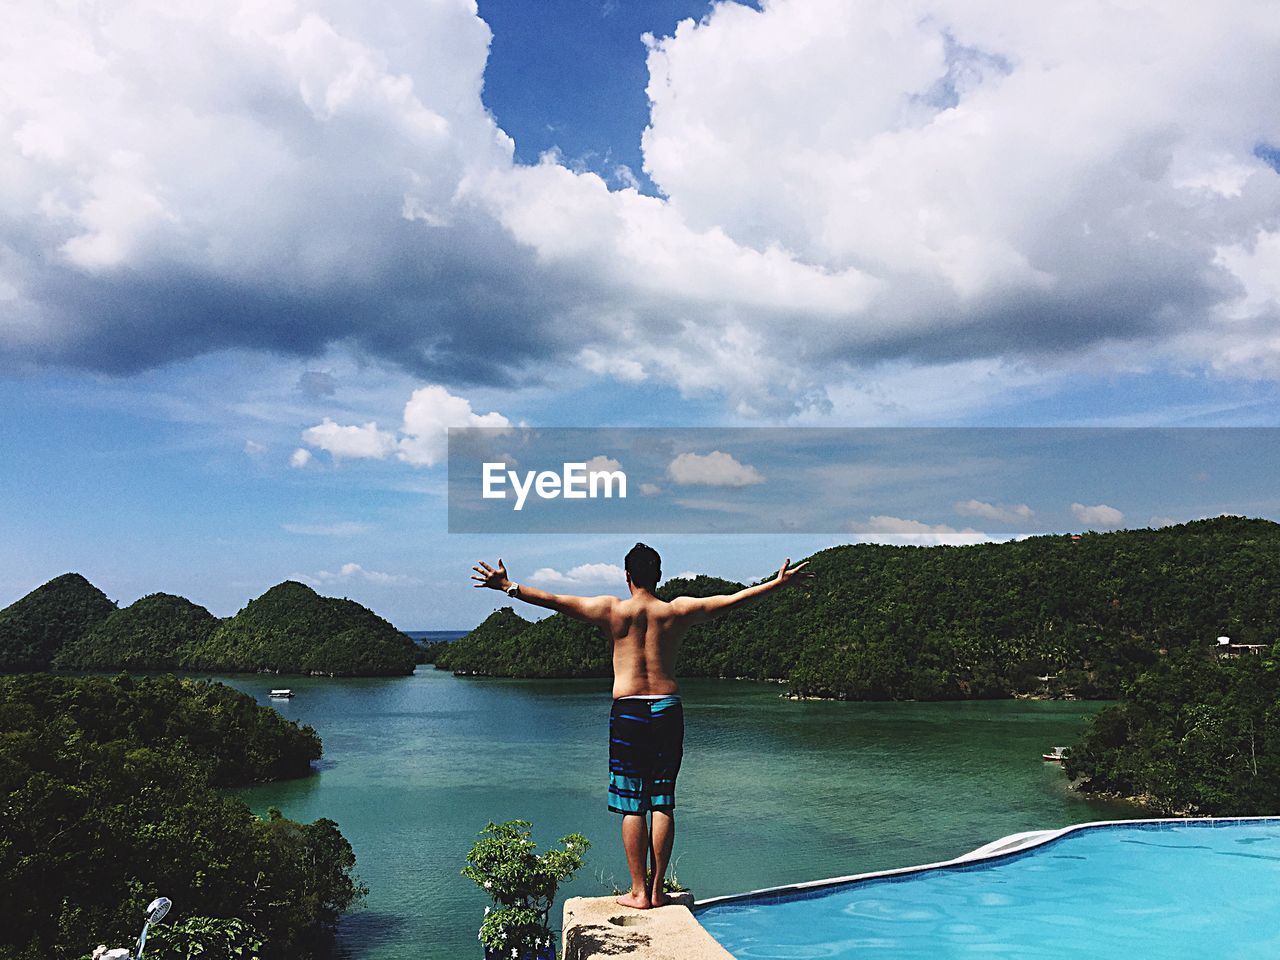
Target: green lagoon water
[{"x": 772, "y": 790}]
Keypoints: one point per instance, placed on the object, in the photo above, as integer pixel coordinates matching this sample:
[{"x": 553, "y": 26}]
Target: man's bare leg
[
  {"x": 664, "y": 837},
  {"x": 635, "y": 840}
]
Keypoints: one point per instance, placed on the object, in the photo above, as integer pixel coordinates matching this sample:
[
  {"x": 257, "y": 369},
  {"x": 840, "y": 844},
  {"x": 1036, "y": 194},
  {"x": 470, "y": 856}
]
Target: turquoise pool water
[{"x": 1149, "y": 891}]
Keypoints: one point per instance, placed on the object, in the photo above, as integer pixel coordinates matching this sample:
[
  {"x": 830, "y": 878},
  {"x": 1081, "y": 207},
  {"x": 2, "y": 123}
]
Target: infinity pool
[{"x": 1190, "y": 889}]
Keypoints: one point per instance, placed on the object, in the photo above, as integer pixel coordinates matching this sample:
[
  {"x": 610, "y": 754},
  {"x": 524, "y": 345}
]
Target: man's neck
[{"x": 641, "y": 592}]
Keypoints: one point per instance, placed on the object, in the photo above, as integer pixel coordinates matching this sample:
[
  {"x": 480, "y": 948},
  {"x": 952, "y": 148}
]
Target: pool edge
[{"x": 1008, "y": 846}]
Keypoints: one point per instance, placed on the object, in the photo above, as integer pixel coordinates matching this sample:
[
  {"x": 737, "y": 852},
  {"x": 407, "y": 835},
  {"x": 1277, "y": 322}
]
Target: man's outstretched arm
[
  {"x": 698, "y": 609},
  {"x": 591, "y": 609}
]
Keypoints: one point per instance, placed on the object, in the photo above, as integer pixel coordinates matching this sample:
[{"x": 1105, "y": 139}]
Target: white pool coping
[{"x": 996, "y": 849}]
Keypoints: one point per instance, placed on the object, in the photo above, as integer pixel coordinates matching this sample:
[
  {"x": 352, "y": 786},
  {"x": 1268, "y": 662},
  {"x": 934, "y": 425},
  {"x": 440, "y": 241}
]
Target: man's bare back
[{"x": 647, "y": 721}]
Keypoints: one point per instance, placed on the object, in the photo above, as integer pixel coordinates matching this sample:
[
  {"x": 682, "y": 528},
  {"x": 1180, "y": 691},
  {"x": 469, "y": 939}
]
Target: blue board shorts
[{"x": 646, "y": 745}]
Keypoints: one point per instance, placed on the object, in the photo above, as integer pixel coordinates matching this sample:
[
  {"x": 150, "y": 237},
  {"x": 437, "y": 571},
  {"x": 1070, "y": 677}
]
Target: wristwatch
[{"x": 513, "y": 591}]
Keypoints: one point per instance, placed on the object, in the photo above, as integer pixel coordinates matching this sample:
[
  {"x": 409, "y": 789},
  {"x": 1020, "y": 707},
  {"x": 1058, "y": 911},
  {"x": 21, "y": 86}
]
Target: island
[
  {"x": 69, "y": 624},
  {"x": 1047, "y": 616}
]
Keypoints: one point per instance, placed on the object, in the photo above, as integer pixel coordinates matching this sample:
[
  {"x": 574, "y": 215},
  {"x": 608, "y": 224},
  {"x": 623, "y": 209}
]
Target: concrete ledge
[{"x": 598, "y": 927}]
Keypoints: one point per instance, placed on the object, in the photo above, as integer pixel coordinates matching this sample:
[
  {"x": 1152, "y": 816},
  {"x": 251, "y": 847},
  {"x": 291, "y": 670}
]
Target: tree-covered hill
[
  {"x": 154, "y": 633},
  {"x": 292, "y": 629},
  {"x": 988, "y": 620},
  {"x": 70, "y": 624},
  {"x": 57, "y": 613},
  {"x": 508, "y": 645},
  {"x": 108, "y": 798},
  {"x": 1193, "y": 734}
]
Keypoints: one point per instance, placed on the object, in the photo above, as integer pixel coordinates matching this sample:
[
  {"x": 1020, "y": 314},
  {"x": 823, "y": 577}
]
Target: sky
[{"x": 256, "y": 258}]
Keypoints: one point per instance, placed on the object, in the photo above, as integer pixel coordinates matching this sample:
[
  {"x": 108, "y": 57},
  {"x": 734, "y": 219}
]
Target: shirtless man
[{"x": 646, "y": 725}]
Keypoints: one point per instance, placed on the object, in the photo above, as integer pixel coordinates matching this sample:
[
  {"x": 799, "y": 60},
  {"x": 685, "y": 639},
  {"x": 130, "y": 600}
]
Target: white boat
[
  {"x": 282, "y": 694},
  {"x": 1056, "y": 755}
]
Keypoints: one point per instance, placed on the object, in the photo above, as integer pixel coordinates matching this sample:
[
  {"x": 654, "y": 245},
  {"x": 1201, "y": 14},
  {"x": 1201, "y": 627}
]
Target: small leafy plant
[{"x": 505, "y": 863}]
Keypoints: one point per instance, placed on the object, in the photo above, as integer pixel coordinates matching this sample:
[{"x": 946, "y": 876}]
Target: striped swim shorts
[{"x": 646, "y": 745}]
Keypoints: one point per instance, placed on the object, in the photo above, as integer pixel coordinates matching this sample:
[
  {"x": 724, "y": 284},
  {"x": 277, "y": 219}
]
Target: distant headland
[
  {"x": 1046, "y": 616},
  {"x": 69, "y": 624}
]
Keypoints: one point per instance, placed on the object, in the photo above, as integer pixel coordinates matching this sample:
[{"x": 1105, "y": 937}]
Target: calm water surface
[
  {"x": 772, "y": 791},
  {"x": 1159, "y": 892}
]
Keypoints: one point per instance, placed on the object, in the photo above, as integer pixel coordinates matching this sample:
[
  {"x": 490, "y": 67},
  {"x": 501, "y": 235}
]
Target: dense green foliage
[
  {"x": 59, "y": 612},
  {"x": 109, "y": 799},
  {"x": 154, "y": 633},
  {"x": 522, "y": 883},
  {"x": 1193, "y": 734},
  {"x": 70, "y": 624},
  {"x": 506, "y": 644},
  {"x": 890, "y": 622},
  {"x": 292, "y": 629},
  {"x": 205, "y": 938},
  {"x": 428, "y": 650}
]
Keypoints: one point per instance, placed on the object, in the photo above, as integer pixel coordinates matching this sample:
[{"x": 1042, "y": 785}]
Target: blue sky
[{"x": 243, "y": 294}]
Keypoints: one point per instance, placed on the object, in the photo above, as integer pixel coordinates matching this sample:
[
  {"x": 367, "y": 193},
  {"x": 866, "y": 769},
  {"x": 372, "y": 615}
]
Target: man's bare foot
[
  {"x": 638, "y": 901},
  {"x": 659, "y": 899}
]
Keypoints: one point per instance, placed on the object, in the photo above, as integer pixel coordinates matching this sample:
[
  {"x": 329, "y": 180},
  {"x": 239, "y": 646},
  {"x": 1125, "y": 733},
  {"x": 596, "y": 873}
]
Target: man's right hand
[{"x": 495, "y": 578}]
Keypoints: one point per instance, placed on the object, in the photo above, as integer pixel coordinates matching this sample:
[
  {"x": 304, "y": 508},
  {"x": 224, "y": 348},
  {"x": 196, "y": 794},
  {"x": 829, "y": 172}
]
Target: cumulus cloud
[
  {"x": 602, "y": 464},
  {"x": 429, "y": 414},
  {"x": 886, "y": 529},
  {"x": 353, "y": 572},
  {"x": 650, "y": 489},
  {"x": 182, "y": 179},
  {"x": 683, "y": 575},
  {"x": 1016, "y": 513},
  {"x": 619, "y": 368},
  {"x": 586, "y": 573},
  {"x": 254, "y": 449},
  {"x": 351, "y": 442},
  {"x": 1098, "y": 515},
  {"x": 300, "y": 457},
  {"x": 423, "y": 436},
  {"x": 715, "y": 469}
]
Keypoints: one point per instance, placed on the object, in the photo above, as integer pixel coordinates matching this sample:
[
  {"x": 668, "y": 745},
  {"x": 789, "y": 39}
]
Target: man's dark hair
[{"x": 644, "y": 566}]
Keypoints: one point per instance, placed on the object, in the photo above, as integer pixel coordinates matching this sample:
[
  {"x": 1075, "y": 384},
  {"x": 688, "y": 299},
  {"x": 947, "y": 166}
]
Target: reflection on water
[{"x": 772, "y": 791}]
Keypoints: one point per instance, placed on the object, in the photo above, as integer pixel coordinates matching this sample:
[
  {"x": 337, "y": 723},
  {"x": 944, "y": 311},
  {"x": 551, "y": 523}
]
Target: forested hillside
[
  {"x": 988, "y": 620},
  {"x": 68, "y": 623},
  {"x": 1193, "y": 734},
  {"x": 108, "y": 798}
]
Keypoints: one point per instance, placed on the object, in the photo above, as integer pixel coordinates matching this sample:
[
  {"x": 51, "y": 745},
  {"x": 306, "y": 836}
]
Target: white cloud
[
  {"x": 300, "y": 457},
  {"x": 1158, "y": 521},
  {"x": 1016, "y": 513},
  {"x": 351, "y": 442},
  {"x": 1098, "y": 515},
  {"x": 423, "y": 439},
  {"x": 254, "y": 449},
  {"x": 984, "y": 199},
  {"x": 650, "y": 489},
  {"x": 619, "y": 368},
  {"x": 429, "y": 414},
  {"x": 343, "y": 528},
  {"x": 586, "y": 573},
  {"x": 715, "y": 469},
  {"x": 886, "y": 529},
  {"x": 683, "y": 575},
  {"x": 353, "y": 572},
  {"x": 602, "y": 464}
]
